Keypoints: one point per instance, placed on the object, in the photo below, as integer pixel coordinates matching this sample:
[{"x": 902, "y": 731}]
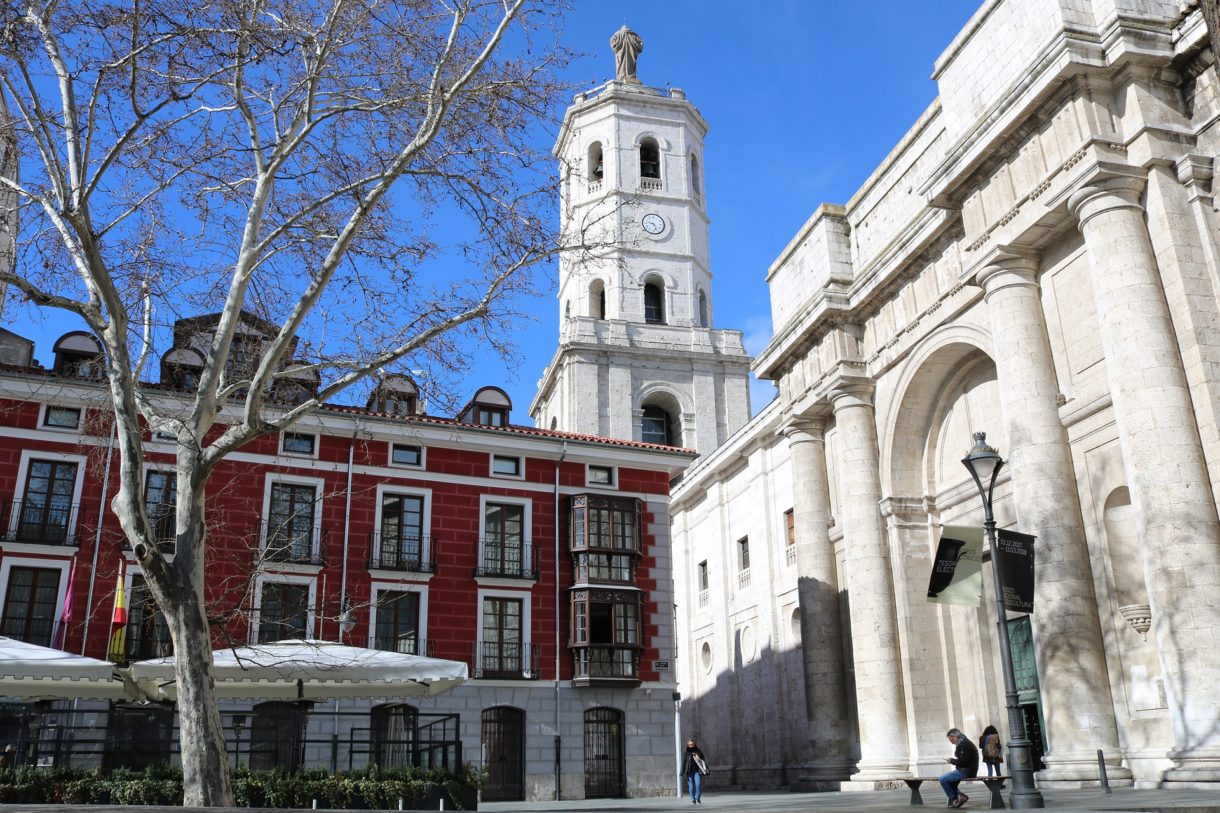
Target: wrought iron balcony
[
  {"x": 41, "y": 524},
  {"x": 505, "y": 660},
  {"x": 404, "y": 645},
  {"x": 406, "y": 552},
  {"x": 37, "y": 629},
  {"x": 593, "y": 664},
  {"x": 268, "y": 626},
  {"x": 147, "y": 641},
  {"x": 507, "y": 559},
  {"x": 300, "y": 548}
]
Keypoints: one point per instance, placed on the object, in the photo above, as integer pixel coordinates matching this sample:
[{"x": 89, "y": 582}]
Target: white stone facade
[
  {"x": 1036, "y": 259},
  {"x": 629, "y": 231}
]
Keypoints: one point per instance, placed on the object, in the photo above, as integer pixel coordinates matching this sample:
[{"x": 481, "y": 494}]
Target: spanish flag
[{"x": 118, "y": 622}]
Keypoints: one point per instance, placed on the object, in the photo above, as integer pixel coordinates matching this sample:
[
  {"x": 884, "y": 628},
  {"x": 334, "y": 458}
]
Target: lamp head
[{"x": 984, "y": 463}]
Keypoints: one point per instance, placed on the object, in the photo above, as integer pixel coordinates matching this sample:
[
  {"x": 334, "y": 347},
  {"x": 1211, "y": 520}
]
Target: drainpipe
[
  {"x": 347, "y": 528},
  {"x": 97, "y": 540},
  {"x": 558, "y": 739}
]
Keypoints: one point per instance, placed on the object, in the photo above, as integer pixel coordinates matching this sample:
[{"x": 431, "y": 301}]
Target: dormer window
[
  {"x": 79, "y": 355},
  {"x": 396, "y": 395},
  {"x": 650, "y": 159},
  {"x": 181, "y": 367},
  {"x": 489, "y": 407}
]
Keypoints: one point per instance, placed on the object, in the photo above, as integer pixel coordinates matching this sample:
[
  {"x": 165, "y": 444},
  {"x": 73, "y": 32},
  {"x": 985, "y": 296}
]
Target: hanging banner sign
[
  {"x": 957, "y": 572},
  {"x": 1015, "y": 552}
]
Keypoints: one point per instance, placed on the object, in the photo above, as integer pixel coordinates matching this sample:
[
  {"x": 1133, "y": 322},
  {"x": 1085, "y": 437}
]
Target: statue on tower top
[{"x": 627, "y": 47}]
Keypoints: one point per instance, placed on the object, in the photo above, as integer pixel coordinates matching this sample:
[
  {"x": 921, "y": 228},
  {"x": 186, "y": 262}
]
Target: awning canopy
[
  {"x": 38, "y": 672},
  {"x": 309, "y": 670}
]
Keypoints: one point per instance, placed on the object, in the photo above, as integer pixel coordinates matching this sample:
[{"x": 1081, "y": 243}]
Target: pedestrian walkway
[
  {"x": 1092, "y": 800},
  {"x": 888, "y": 801}
]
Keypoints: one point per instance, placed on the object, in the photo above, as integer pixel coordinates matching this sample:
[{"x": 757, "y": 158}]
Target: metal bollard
[{"x": 1101, "y": 771}]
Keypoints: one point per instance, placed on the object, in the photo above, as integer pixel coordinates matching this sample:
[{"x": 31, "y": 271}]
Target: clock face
[{"x": 653, "y": 223}]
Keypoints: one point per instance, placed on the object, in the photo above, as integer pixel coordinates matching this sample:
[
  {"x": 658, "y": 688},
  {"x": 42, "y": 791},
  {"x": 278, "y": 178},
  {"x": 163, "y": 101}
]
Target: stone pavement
[{"x": 889, "y": 801}]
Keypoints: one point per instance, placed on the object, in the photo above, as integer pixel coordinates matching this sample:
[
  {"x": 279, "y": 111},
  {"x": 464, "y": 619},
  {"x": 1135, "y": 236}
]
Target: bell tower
[{"x": 638, "y": 357}]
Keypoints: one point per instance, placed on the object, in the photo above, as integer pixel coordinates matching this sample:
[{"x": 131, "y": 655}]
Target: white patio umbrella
[
  {"x": 310, "y": 670},
  {"x": 38, "y": 672}
]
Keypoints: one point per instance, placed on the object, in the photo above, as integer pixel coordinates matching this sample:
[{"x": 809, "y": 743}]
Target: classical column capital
[
  {"x": 804, "y": 428},
  {"x": 850, "y": 390},
  {"x": 1005, "y": 266},
  {"x": 1106, "y": 195}
]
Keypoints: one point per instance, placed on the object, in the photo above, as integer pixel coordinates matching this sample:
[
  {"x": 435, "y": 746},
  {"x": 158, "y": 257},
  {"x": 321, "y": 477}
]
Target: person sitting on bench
[{"x": 965, "y": 762}]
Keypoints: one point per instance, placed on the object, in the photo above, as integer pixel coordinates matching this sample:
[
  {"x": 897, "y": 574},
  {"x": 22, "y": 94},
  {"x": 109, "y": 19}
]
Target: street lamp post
[{"x": 984, "y": 463}]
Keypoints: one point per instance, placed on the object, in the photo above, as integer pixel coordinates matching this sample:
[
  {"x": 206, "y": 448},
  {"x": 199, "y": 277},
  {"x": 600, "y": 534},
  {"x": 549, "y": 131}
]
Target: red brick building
[{"x": 515, "y": 549}]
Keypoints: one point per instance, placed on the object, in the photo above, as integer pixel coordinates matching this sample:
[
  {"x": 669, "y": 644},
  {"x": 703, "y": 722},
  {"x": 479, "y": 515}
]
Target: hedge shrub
[{"x": 370, "y": 789}]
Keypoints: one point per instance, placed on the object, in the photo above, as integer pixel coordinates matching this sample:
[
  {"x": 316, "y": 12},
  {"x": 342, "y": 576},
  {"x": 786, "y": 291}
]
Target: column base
[
  {"x": 823, "y": 776},
  {"x": 879, "y": 776},
  {"x": 1078, "y": 769},
  {"x": 1198, "y": 767}
]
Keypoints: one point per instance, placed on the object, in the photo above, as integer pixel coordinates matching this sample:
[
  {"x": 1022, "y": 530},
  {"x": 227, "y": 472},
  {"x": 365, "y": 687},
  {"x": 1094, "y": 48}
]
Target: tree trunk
[{"x": 205, "y": 766}]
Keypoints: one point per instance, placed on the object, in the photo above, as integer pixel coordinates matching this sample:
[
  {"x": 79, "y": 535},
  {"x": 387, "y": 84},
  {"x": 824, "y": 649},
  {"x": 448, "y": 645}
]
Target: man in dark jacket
[{"x": 965, "y": 763}]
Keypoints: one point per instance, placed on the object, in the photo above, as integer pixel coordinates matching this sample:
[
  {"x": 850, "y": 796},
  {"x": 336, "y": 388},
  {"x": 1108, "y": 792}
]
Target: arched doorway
[
  {"x": 504, "y": 754},
  {"x": 605, "y": 768}
]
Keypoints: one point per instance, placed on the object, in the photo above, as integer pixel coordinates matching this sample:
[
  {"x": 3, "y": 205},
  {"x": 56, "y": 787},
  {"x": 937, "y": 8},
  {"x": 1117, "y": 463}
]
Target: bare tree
[{"x": 304, "y": 163}]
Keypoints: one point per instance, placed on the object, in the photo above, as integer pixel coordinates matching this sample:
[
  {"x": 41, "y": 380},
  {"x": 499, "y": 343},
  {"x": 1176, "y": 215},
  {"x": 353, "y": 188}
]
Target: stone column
[
  {"x": 1165, "y": 467},
  {"x": 1076, "y": 700},
  {"x": 870, "y": 591},
  {"x": 826, "y": 709}
]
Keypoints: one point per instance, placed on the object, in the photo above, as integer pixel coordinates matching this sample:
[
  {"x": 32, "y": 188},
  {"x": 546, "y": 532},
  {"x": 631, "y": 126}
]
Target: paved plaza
[{"x": 891, "y": 801}]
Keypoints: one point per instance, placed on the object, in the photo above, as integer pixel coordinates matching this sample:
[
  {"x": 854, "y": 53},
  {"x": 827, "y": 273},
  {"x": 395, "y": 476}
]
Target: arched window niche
[
  {"x": 703, "y": 309},
  {"x": 650, "y": 159},
  {"x": 695, "y": 184},
  {"x": 597, "y": 299},
  {"x": 654, "y": 302},
  {"x": 658, "y": 426},
  {"x": 597, "y": 164}
]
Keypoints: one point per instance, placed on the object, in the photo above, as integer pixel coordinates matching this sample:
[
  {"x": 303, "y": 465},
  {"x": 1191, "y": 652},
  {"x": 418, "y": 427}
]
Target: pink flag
[{"x": 60, "y": 640}]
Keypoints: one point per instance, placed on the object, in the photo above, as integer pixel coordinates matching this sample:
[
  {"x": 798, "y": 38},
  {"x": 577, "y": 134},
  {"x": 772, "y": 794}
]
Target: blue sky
[{"x": 804, "y": 98}]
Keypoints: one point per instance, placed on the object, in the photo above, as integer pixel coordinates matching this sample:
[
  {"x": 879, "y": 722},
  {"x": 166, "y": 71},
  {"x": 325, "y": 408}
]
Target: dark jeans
[
  {"x": 949, "y": 783},
  {"x": 993, "y": 769}
]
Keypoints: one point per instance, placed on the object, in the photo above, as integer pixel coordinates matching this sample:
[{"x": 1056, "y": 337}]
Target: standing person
[
  {"x": 694, "y": 766},
  {"x": 992, "y": 751},
  {"x": 965, "y": 762}
]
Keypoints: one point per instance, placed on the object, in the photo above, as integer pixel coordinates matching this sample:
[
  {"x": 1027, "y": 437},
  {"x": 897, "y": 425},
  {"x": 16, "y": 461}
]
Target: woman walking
[
  {"x": 694, "y": 767},
  {"x": 990, "y": 748}
]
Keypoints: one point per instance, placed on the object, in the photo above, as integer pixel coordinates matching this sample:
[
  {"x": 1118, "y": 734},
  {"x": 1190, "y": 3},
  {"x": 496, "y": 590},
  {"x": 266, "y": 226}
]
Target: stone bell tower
[{"x": 638, "y": 357}]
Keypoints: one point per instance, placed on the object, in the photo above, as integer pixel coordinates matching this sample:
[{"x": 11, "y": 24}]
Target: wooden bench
[{"x": 993, "y": 784}]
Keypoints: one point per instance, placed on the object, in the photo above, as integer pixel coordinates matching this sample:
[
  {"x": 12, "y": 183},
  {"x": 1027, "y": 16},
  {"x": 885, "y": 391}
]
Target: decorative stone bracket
[{"x": 1138, "y": 616}]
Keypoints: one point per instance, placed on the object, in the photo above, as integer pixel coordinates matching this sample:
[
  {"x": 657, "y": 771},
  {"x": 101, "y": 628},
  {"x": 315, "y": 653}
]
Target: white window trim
[
  {"x": 423, "y": 456},
  {"x": 292, "y": 479},
  {"x": 613, "y": 484},
  {"x": 43, "y": 426},
  {"x": 28, "y": 455},
  {"x": 284, "y": 578},
  {"x": 527, "y": 625},
  {"x": 379, "y": 587},
  {"x": 491, "y": 466},
  {"x": 527, "y": 539},
  {"x": 62, "y": 565},
  {"x": 317, "y": 442},
  {"x": 384, "y": 489}
]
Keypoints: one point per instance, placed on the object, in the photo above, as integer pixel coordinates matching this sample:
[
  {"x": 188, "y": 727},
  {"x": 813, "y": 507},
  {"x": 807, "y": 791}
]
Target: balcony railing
[
  {"x": 605, "y": 663},
  {"x": 790, "y": 556},
  {"x": 414, "y": 554},
  {"x": 295, "y": 548},
  {"x": 40, "y": 524},
  {"x": 404, "y": 645},
  {"x": 281, "y": 625},
  {"x": 148, "y": 642},
  {"x": 507, "y": 560},
  {"x": 507, "y": 661}
]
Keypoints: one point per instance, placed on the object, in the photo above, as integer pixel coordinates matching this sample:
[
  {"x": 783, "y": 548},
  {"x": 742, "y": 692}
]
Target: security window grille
[
  {"x": 59, "y": 417},
  {"x": 277, "y": 736},
  {"x": 46, "y": 513},
  {"x": 507, "y": 466},
  {"x": 502, "y": 642},
  {"x": 404, "y": 455},
  {"x": 299, "y": 443},
  {"x": 395, "y": 733},
  {"x": 284, "y": 613},
  {"x": 398, "y": 622},
  {"x": 290, "y": 525},
  {"x": 29, "y": 605},
  {"x": 161, "y": 502}
]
